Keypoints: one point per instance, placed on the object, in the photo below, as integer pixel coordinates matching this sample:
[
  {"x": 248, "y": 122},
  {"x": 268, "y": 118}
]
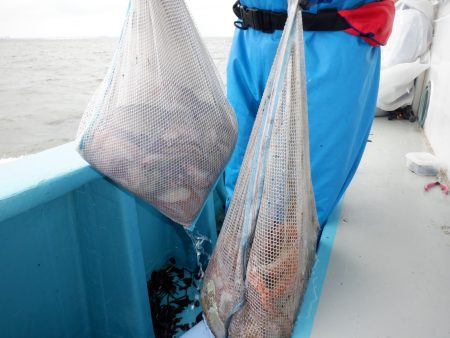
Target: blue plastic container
[{"x": 76, "y": 251}]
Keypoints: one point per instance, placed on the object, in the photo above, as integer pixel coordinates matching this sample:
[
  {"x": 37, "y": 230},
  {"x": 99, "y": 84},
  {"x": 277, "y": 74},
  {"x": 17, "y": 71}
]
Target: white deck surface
[{"x": 389, "y": 271}]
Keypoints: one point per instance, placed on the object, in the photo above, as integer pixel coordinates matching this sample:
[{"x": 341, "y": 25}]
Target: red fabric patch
[{"x": 372, "y": 22}]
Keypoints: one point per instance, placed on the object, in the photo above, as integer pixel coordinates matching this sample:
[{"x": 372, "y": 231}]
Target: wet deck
[{"x": 389, "y": 271}]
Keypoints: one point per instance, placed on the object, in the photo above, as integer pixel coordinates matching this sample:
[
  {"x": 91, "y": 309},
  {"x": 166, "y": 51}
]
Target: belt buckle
[
  {"x": 243, "y": 23},
  {"x": 255, "y": 18}
]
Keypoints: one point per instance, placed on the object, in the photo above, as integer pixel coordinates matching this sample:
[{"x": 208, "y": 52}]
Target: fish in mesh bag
[
  {"x": 159, "y": 125},
  {"x": 260, "y": 266}
]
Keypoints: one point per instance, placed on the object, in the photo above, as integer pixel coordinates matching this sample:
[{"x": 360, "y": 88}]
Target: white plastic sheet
[{"x": 406, "y": 55}]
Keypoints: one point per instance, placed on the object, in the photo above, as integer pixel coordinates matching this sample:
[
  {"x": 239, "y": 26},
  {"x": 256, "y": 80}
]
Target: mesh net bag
[
  {"x": 159, "y": 124},
  {"x": 259, "y": 269}
]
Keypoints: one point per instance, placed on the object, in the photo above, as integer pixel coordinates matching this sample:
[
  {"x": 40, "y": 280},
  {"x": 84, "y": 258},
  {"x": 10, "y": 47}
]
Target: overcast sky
[{"x": 90, "y": 18}]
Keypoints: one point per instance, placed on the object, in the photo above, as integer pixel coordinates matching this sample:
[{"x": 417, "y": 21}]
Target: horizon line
[{"x": 75, "y": 37}]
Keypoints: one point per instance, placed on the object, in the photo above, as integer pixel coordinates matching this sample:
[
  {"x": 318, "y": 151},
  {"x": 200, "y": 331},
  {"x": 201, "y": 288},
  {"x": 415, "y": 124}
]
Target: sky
[{"x": 92, "y": 18}]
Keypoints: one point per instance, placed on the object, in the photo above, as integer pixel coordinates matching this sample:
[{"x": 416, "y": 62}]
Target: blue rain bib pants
[{"x": 342, "y": 75}]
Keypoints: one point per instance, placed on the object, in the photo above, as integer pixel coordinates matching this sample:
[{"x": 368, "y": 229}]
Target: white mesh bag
[
  {"x": 159, "y": 124},
  {"x": 259, "y": 269}
]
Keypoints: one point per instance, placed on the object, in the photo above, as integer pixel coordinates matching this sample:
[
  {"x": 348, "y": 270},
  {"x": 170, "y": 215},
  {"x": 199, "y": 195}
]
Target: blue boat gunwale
[
  {"x": 79, "y": 249},
  {"x": 39, "y": 178}
]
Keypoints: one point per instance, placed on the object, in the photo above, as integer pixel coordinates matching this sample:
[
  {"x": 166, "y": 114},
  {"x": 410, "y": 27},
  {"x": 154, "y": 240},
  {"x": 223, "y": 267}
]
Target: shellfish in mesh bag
[
  {"x": 259, "y": 269},
  {"x": 159, "y": 124}
]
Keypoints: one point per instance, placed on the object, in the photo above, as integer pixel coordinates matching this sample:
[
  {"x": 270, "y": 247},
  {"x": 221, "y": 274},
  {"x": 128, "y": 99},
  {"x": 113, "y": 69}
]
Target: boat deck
[{"x": 389, "y": 272}]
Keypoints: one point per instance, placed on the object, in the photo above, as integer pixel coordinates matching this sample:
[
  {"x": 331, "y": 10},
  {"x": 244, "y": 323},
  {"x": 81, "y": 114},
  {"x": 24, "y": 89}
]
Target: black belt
[{"x": 268, "y": 21}]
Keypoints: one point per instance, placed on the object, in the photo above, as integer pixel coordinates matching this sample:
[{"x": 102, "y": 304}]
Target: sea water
[{"x": 45, "y": 86}]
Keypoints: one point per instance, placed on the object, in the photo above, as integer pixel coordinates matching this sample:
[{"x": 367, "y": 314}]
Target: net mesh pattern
[
  {"x": 260, "y": 267},
  {"x": 159, "y": 124}
]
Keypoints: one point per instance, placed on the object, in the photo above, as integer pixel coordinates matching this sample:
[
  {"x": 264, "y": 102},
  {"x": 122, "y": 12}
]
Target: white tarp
[{"x": 406, "y": 55}]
